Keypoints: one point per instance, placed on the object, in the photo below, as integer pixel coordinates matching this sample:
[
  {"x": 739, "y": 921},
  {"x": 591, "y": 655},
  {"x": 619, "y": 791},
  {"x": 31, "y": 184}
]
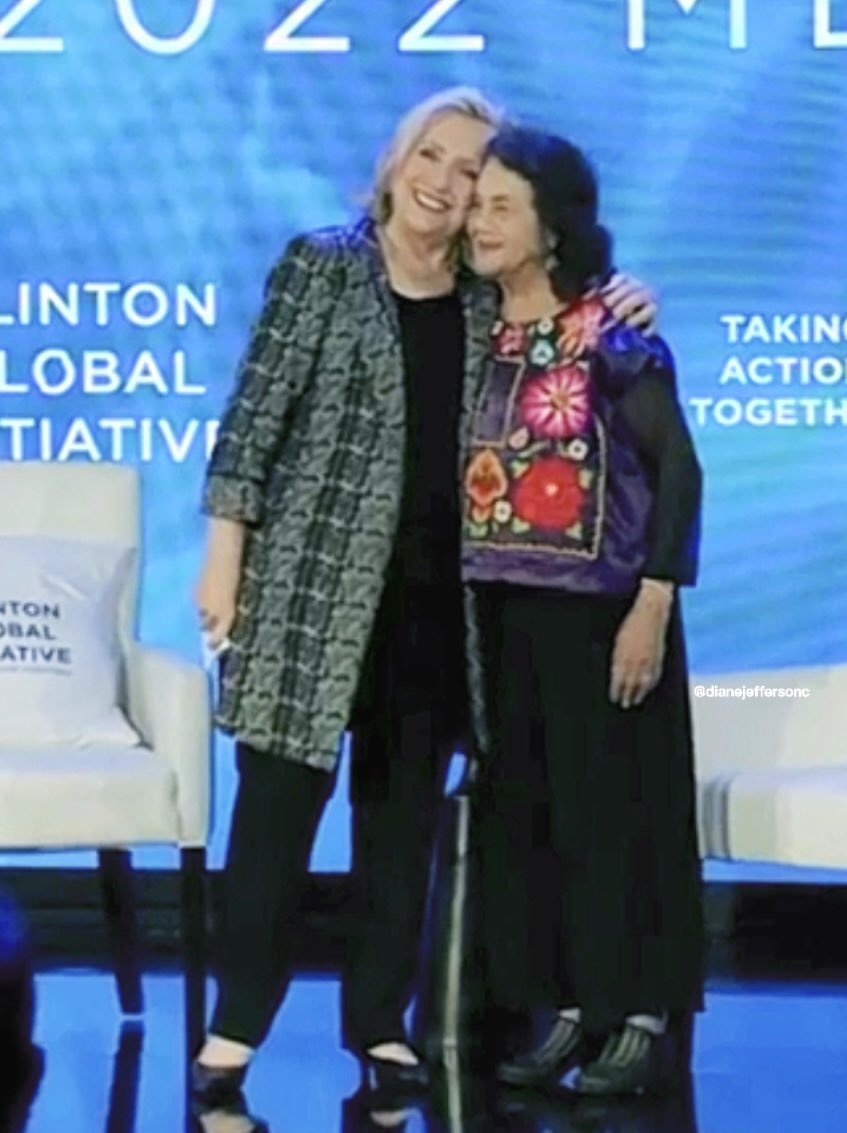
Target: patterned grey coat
[{"x": 310, "y": 457}]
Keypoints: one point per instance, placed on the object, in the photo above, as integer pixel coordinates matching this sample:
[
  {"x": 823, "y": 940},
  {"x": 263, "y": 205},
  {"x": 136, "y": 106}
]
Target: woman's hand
[
  {"x": 631, "y": 302},
  {"x": 217, "y": 588},
  {"x": 639, "y": 651}
]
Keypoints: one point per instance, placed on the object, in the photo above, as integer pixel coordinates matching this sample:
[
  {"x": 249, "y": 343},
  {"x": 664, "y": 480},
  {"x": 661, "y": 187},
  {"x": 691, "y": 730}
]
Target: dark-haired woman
[{"x": 582, "y": 501}]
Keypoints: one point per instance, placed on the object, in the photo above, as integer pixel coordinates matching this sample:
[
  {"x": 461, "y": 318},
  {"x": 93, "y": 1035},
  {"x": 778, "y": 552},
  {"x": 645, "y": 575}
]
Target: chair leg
[
  {"x": 193, "y": 905},
  {"x": 193, "y": 901},
  {"x": 116, "y": 882},
  {"x": 126, "y": 1074}
]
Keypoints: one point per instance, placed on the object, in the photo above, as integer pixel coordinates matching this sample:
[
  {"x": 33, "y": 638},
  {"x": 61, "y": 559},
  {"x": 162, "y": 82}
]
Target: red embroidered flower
[
  {"x": 509, "y": 341},
  {"x": 485, "y": 479},
  {"x": 580, "y": 326},
  {"x": 548, "y": 495},
  {"x": 557, "y": 404}
]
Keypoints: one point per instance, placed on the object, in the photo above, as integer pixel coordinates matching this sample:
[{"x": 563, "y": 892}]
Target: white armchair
[
  {"x": 772, "y": 772},
  {"x": 103, "y": 798}
]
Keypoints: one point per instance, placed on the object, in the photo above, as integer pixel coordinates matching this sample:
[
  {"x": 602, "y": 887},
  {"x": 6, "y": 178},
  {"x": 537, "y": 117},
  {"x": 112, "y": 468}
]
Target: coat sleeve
[{"x": 272, "y": 375}]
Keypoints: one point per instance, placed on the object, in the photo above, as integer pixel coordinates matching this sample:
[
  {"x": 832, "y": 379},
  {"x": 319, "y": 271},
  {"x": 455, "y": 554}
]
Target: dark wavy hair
[{"x": 565, "y": 191}]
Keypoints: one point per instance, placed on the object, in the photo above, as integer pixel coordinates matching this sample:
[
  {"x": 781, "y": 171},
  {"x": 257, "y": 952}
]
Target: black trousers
[
  {"x": 591, "y": 877},
  {"x": 405, "y": 725}
]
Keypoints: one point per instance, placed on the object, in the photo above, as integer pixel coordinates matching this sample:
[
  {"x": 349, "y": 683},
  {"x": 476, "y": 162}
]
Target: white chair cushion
[
  {"x": 98, "y": 796},
  {"x": 60, "y": 661},
  {"x": 794, "y": 816},
  {"x": 95, "y": 502},
  {"x": 732, "y": 734}
]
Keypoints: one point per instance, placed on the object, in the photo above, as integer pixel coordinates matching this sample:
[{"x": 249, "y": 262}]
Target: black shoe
[
  {"x": 368, "y": 1112},
  {"x": 209, "y": 1121},
  {"x": 629, "y": 1063},
  {"x": 216, "y": 1088},
  {"x": 393, "y": 1079},
  {"x": 546, "y": 1062},
  {"x": 548, "y": 1110}
]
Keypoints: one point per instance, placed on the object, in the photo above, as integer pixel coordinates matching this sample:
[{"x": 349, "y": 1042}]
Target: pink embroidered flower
[
  {"x": 580, "y": 326},
  {"x": 557, "y": 404},
  {"x": 509, "y": 341}
]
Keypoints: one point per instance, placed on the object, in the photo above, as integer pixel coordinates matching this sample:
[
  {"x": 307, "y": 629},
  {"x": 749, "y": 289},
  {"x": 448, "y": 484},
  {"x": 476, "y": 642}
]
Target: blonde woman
[{"x": 332, "y": 566}]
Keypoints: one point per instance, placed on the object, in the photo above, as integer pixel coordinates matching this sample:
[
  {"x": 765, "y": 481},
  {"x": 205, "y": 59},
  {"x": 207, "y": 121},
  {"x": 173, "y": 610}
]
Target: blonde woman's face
[{"x": 432, "y": 190}]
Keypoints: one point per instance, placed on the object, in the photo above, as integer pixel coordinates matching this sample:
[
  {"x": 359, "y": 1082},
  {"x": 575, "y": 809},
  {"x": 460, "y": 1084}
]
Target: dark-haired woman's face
[{"x": 503, "y": 228}]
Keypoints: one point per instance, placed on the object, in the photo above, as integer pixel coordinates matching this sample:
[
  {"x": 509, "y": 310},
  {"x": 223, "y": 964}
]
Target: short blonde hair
[{"x": 467, "y": 101}]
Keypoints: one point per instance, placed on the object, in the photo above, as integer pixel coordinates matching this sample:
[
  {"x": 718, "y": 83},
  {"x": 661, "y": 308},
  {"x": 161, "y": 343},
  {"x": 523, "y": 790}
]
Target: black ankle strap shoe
[
  {"x": 394, "y": 1078},
  {"x": 215, "y": 1087}
]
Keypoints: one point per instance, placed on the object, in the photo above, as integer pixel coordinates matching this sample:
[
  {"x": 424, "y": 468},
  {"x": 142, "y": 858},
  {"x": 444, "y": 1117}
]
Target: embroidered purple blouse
[{"x": 581, "y": 473}]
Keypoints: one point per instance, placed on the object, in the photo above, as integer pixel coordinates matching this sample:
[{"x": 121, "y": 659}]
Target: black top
[{"x": 427, "y": 548}]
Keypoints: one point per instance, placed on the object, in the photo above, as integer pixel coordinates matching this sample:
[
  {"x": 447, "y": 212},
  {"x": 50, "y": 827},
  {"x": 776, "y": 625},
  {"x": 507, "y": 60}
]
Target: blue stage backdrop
[{"x": 157, "y": 154}]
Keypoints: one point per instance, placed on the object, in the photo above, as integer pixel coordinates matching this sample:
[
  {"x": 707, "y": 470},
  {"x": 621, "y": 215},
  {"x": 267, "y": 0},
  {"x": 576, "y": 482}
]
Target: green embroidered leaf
[
  {"x": 478, "y": 530},
  {"x": 520, "y": 526},
  {"x": 519, "y": 467},
  {"x": 535, "y": 450}
]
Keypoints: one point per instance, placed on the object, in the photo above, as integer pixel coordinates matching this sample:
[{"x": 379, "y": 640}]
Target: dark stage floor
[{"x": 767, "y": 1058}]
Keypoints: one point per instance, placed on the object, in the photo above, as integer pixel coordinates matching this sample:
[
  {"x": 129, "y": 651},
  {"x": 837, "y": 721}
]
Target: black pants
[
  {"x": 405, "y": 725},
  {"x": 587, "y": 820}
]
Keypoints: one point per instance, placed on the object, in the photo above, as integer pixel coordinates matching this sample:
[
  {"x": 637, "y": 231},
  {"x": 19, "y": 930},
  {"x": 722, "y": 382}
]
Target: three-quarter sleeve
[
  {"x": 652, "y": 412},
  {"x": 272, "y": 374}
]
